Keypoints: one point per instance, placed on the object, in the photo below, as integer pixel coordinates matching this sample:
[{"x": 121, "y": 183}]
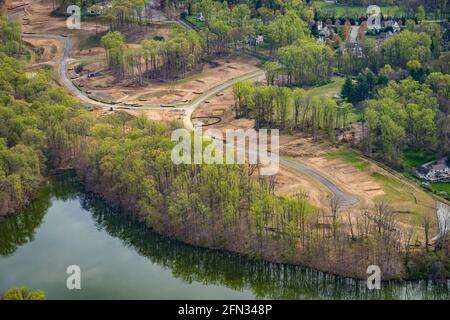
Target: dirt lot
[
  {"x": 107, "y": 87},
  {"x": 159, "y": 115},
  {"x": 45, "y": 50}
]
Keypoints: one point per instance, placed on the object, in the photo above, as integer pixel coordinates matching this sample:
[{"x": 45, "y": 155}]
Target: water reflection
[
  {"x": 20, "y": 229},
  {"x": 191, "y": 264}
]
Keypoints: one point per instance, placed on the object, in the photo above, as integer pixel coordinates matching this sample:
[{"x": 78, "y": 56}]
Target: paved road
[
  {"x": 344, "y": 198},
  {"x": 210, "y": 93}
]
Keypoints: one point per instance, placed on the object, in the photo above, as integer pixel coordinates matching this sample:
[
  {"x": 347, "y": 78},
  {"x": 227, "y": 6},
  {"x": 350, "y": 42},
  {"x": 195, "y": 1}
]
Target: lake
[{"x": 120, "y": 258}]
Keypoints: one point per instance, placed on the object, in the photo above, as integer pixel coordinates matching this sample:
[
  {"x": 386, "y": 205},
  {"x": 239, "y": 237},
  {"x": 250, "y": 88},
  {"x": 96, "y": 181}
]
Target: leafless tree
[
  {"x": 335, "y": 203},
  {"x": 426, "y": 223},
  {"x": 350, "y": 223},
  {"x": 408, "y": 237},
  {"x": 383, "y": 216}
]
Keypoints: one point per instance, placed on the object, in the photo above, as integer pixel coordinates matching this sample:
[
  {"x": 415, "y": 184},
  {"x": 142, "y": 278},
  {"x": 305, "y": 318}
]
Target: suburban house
[{"x": 434, "y": 172}]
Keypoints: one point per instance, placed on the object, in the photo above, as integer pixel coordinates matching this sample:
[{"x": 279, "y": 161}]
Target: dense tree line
[
  {"x": 408, "y": 114},
  {"x": 406, "y": 46},
  {"x": 306, "y": 63},
  {"x": 10, "y": 37},
  {"x": 412, "y": 111},
  {"x": 40, "y": 128},
  {"x": 363, "y": 87},
  {"x": 226, "y": 206},
  {"x": 424, "y": 43},
  {"x": 163, "y": 59},
  {"x": 285, "y": 32},
  {"x": 292, "y": 110},
  {"x": 412, "y": 5}
]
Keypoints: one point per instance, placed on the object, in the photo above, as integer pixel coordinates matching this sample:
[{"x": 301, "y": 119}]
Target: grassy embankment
[{"x": 409, "y": 201}]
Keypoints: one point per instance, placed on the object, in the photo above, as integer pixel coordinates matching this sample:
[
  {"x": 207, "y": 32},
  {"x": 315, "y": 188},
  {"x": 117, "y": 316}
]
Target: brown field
[
  {"x": 46, "y": 50},
  {"x": 108, "y": 87},
  {"x": 159, "y": 115}
]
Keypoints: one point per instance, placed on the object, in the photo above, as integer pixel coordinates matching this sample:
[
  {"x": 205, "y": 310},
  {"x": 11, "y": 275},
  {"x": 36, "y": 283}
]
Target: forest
[
  {"x": 40, "y": 126},
  {"x": 154, "y": 58},
  {"x": 127, "y": 161},
  {"x": 400, "y": 91}
]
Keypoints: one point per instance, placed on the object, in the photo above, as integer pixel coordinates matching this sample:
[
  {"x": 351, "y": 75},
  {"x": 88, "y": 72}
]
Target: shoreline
[{"x": 149, "y": 228}]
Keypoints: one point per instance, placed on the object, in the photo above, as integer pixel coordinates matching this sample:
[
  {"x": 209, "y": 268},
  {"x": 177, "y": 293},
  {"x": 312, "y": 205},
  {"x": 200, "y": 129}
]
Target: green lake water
[{"x": 120, "y": 258}]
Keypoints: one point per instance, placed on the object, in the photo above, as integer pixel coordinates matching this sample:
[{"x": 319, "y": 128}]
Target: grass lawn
[
  {"x": 441, "y": 186},
  {"x": 329, "y": 89},
  {"x": 351, "y": 157},
  {"x": 394, "y": 189},
  {"x": 339, "y": 10},
  {"x": 90, "y": 42},
  {"x": 413, "y": 158},
  {"x": 193, "y": 19},
  {"x": 409, "y": 203}
]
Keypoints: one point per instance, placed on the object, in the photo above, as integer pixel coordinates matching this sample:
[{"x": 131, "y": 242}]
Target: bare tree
[
  {"x": 426, "y": 223},
  {"x": 350, "y": 223},
  {"x": 383, "y": 216},
  {"x": 335, "y": 204}
]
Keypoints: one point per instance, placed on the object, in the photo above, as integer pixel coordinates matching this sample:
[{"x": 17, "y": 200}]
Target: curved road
[{"x": 344, "y": 199}]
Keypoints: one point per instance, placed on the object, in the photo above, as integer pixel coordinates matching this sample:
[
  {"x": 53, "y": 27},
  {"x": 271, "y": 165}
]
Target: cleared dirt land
[{"x": 107, "y": 87}]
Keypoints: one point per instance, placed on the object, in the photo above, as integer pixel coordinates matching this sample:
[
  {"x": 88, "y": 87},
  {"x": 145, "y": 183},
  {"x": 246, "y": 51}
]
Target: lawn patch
[
  {"x": 90, "y": 42},
  {"x": 329, "y": 89},
  {"x": 413, "y": 158},
  {"x": 350, "y": 156},
  {"x": 439, "y": 187}
]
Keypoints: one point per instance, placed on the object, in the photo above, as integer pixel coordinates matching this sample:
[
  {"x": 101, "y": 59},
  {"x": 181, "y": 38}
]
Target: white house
[{"x": 438, "y": 172}]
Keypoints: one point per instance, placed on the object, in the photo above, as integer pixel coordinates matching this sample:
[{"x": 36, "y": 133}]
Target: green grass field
[
  {"x": 329, "y": 89},
  {"x": 351, "y": 157},
  {"x": 325, "y": 9},
  {"x": 413, "y": 158},
  {"x": 90, "y": 42},
  {"x": 410, "y": 203},
  {"x": 193, "y": 19},
  {"x": 441, "y": 187}
]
